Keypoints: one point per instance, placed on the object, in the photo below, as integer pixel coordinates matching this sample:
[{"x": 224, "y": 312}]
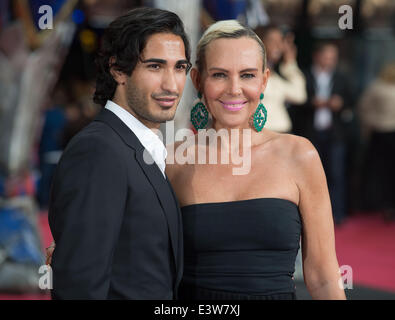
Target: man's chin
[{"x": 163, "y": 117}]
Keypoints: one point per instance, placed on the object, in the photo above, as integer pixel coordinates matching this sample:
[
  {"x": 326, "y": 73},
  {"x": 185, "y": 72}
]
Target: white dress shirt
[
  {"x": 322, "y": 116},
  {"x": 151, "y": 142}
]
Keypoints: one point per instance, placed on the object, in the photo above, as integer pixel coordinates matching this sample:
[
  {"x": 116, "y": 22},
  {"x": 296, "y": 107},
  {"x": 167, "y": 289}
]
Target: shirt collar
[
  {"x": 319, "y": 72},
  {"x": 151, "y": 142}
]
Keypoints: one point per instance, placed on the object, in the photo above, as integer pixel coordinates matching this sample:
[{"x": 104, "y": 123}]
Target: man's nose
[{"x": 169, "y": 81}]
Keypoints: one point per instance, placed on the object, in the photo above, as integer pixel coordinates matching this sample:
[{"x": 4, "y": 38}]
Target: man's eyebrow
[
  {"x": 162, "y": 61},
  {"x": 154, "y": 60},
  {"x": 182, "y": 62}
]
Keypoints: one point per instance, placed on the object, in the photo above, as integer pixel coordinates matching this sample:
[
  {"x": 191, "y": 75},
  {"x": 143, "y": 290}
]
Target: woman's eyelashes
[
  {"x": 220, "y": 75},
  {"x": 248, "y": 75}
]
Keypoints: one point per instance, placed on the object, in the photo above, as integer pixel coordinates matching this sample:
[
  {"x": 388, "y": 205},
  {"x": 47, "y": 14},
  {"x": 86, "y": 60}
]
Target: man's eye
[
  {"x": 154, "y": 66},
  {"x": 219, "y": 75},
  {"x": 248, "y": 75},
  {"x": 181, "y": 67}
]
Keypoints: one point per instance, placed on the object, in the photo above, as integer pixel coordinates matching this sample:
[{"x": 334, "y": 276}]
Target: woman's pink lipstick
[{"x": 233, "y": 105}]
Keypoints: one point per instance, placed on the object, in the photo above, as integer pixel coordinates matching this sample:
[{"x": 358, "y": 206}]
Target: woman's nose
[{"x": 234, "y": 87}]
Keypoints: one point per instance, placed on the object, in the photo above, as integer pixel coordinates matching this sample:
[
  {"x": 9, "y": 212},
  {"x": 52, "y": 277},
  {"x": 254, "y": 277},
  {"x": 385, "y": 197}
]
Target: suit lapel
[
  {"x": 180, "y": 239},
  {"x": 154, "y": 176},
  {"x": 158, "y": 182}
]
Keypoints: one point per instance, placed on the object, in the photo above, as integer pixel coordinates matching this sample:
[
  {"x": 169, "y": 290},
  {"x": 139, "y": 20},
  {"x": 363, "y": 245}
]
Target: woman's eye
[
  {"x": 248, "y": 75},
  {"x": 219, "y": 75}
]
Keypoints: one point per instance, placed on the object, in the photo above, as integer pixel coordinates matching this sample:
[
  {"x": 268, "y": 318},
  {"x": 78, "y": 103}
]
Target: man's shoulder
[
  {"x": 94, "y": 133},
  {"x": 95, "y": 140}
]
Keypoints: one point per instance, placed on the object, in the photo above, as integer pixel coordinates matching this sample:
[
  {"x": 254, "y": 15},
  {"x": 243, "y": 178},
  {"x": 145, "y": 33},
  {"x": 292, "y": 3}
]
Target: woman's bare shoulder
[
  {"x": 296, "y": 148},
  {"x": 305, "y": 161}
]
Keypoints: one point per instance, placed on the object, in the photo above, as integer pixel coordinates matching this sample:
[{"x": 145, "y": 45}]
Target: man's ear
[
  {"x": 196, "y": 78},
  {"x": 118, "y": 76}
]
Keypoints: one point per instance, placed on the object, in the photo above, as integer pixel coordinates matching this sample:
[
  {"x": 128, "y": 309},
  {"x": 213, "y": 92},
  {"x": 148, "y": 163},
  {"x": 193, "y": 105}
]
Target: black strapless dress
[{"x": 240, "y": 250}]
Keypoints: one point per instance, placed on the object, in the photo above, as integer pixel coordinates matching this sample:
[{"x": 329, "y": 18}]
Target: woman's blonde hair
[{"x": 229, "y": 29}]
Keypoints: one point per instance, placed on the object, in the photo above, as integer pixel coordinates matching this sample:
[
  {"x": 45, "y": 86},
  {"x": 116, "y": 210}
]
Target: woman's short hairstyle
[
  {"x": 228, "y": 29},
  {"x": 125, "y": 39}
]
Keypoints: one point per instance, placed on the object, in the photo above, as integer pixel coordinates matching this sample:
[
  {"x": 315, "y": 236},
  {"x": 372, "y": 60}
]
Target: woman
[
  {"x": 377, "y": 113},
  {"x": 241, "y": 232}
]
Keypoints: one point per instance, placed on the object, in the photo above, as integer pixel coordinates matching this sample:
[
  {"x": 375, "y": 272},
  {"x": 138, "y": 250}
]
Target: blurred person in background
[
  {"x": 322, "y": 120},
  {"x": 67, "y": 115},
  {"x": 377, "y": 114},
  {"x": 75, "y": 121},
  {"x": 80, "y": 111},
  {"x": 51, "y": 143},
  {"x": 286, "y": 83}
]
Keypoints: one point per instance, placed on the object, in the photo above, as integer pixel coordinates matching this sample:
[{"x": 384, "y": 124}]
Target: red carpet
[{"x": 366, "y": 243}]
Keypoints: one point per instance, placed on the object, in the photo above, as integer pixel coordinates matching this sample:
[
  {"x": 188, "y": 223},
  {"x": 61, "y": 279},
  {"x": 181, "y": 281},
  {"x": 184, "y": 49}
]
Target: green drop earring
[
  {"x": 199, "y": 114},
  {"x": 260, "y": 116}
]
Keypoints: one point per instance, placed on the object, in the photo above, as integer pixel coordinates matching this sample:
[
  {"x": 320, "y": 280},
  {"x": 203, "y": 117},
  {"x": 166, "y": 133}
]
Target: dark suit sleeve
[
  {"x": 86, "y": 210},
  {"x": 344, "y": 89},
  {"x": 309, "y": 90}
]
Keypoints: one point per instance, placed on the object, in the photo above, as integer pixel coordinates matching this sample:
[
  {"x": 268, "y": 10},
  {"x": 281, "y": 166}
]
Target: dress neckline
[{"x": 239, "y": 201}]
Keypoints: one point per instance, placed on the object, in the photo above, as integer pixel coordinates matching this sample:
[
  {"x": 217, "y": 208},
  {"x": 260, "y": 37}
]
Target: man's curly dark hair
[{"x": 125, "y": 39}]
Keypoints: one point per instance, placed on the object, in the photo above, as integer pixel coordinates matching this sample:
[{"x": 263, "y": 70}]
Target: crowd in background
[{"x": 65, "y": 115}]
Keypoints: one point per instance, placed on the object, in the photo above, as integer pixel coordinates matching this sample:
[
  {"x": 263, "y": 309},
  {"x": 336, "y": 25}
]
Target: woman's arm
[{"x": 320, "y": 266}]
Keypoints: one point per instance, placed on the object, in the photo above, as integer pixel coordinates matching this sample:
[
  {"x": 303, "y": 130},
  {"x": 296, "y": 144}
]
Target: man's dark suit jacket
[
  {"x": 114, "y": 218},
  {"x": 303, "y": 116}
]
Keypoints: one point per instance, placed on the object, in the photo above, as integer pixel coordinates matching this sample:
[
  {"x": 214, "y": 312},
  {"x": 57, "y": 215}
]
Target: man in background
[{"x": 323, "y": 120}]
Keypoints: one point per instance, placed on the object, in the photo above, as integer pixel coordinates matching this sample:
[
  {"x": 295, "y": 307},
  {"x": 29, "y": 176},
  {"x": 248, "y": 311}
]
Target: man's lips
[
  {"x": 166, "y": 101},
  {"x": 233, "y": 105}
]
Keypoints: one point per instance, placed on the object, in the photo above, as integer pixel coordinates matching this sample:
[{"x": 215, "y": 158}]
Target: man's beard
[{"x": 139, "y": 104}]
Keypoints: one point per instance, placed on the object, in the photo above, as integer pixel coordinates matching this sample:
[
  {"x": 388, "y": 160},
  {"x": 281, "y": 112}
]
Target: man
[
  {"x": 324, "y": 120},
  {"x": 113, "y": 213}
]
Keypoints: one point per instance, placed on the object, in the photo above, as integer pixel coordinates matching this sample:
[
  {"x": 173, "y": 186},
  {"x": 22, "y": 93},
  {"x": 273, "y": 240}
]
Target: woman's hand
[{"x": 49, "y": 251}]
